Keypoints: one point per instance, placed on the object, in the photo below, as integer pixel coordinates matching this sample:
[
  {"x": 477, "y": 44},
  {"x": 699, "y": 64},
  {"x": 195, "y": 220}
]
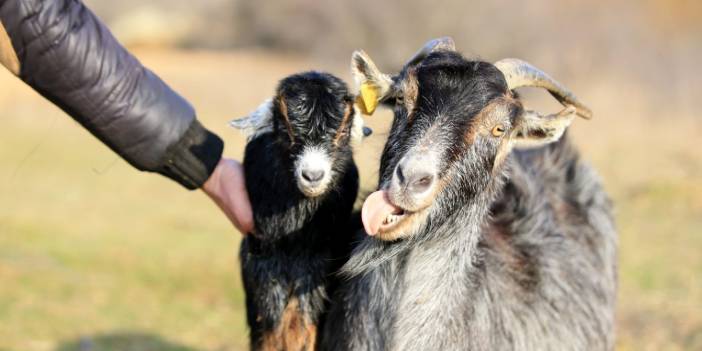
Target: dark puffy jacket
[{"x": 66, "y": 54}]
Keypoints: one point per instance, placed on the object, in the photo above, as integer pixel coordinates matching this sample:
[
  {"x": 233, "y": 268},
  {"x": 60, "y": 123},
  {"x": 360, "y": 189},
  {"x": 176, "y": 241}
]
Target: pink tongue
[{"x": 375, "y": 209}]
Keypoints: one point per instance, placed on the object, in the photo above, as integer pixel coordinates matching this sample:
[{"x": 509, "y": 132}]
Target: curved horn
[
  {"x": 438, "y": 44},
  {"x": 519, "y": 73}
]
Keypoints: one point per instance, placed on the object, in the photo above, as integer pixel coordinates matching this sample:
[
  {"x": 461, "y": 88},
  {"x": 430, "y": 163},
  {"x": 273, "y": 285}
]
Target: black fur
[{"x": 298, "y": 241}]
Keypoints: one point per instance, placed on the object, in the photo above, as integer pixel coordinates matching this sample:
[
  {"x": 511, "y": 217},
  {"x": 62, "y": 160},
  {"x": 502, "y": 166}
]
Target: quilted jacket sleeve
[{"x": 63, "y": 51}]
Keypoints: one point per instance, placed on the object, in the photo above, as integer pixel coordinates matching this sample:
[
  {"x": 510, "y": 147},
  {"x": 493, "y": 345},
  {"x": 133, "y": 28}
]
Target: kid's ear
[
  {"x": 257, "y": 122},
  {"x": 533, "y": 129},
  {"x": 373, "y": 85}
]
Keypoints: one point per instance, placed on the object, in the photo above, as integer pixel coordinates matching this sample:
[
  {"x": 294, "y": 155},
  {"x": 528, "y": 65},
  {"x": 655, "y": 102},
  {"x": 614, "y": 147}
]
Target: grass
[{"x": 97, "y": 256}]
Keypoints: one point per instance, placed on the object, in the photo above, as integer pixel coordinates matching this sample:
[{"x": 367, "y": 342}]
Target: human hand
[{"x": 226, "y": 187}]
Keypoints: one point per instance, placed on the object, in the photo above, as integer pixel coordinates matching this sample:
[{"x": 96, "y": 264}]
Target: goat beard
[{"x": 371, "y": 253}]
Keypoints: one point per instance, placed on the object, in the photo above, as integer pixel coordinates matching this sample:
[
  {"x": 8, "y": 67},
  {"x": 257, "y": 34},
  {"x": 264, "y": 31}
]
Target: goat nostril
[
  {"x": 312, "y": 176},
  {"x": 420, "y": 183},
  {"x": 400, "y": 174}
]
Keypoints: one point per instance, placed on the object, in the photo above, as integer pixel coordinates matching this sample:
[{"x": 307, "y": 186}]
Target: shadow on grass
[{"x": 122, "y": 341}]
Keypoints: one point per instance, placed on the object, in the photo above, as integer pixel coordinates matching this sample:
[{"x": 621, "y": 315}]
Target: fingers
[
  {"x": 241, "y": 205},
  {"x": 227, "y": 188}
]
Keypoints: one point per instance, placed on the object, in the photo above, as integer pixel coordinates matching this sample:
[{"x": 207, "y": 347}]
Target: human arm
[{"x": 64, "y": 52}]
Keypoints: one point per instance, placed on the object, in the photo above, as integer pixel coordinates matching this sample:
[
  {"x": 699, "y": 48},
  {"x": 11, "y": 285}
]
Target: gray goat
[{"x": 488, "y": 232}]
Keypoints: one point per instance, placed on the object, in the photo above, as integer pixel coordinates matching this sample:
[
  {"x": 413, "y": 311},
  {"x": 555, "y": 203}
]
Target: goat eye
[{"x": 498, "y": 130}]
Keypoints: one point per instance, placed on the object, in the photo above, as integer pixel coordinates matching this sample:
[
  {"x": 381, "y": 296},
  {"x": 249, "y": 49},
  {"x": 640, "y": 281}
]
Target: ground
[{"x": 97, "y": 256}]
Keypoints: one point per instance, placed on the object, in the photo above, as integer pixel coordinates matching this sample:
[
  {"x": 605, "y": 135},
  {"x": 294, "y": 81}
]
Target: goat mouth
[
  {"x": 313, "y": 192},
  {"x": 393, "y": 219},
  {"x": 381, "y": 217}
]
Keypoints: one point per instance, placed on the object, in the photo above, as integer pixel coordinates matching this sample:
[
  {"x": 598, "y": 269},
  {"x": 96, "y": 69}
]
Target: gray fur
[
  {"x": 518, "y": 255},
  {"x": 459, "y": 292}
]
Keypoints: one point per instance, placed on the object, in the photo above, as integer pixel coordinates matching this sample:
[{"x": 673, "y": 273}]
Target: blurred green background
[{"x": 97, "y": 256}]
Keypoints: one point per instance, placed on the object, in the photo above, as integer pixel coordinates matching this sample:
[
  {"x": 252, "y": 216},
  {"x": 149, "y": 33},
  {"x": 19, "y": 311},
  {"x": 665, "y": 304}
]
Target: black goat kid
[{"x": 302, "y": 182}]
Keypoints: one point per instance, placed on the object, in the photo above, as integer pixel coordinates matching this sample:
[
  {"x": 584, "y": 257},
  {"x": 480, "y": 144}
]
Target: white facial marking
[
  {"x": 313, "y": 159},
  {"x": 257, "y": 122}
]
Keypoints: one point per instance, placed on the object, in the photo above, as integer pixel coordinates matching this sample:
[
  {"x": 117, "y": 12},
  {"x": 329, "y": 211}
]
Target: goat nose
[
  {"x": 400, "y": 174},
  {"x": 312, "y": 176},
  {"x": 416, "y": 182},
  {"x": 420, "y": 182}
]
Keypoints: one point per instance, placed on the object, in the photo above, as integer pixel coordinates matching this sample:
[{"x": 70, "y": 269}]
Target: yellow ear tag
[{"x": 369, "y": 98}]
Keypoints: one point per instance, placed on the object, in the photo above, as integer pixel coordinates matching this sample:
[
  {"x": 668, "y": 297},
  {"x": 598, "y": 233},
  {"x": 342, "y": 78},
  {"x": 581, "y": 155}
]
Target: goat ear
[
  {"x": 359, "y": 131},
  {"x": 533, "y": 129},
  {"x": 257, "y": 122},
  {"x": 373, "y": 85}
]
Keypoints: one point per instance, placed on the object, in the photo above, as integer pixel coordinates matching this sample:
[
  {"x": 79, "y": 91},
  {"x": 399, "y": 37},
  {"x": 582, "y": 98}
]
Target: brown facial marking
[
  {"x": 503, "y": 150},
  {"x": 486, "y": 120},
  {"x": 483, "y": 122},
  {"x": 284, "y": 111},
  {"x": 469, "y": 135},
  {"x": 410, "y": 90},
  {"x": 495, "y": 113},
  {"x": 344, "y": 122},
  {"x": 506, "y": 142},
  {"x": 295, "y": 331}
]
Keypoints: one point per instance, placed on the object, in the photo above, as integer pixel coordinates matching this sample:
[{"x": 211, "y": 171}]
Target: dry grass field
[{"x": 97, "y": 256}]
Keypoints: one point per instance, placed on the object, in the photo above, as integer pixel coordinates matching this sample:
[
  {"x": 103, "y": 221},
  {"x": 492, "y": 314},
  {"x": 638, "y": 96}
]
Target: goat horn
[
  {"x": 438, "y": 44},
  {"x": 519, "y": 74}
]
